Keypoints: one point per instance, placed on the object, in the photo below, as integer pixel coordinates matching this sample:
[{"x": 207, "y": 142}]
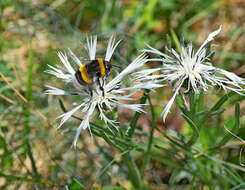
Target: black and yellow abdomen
[
  {"x": 102, "y": 66},
  {"x": 82, "y": 75},
  {"x": 96, "y": 68}
]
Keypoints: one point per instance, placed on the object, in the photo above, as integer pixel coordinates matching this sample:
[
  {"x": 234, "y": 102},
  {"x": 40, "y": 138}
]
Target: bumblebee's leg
[
  {"x": 103, "y": 81},
  {"x": 91, "y": 92},
  {"x": 117, "y": 86},
  {"x": 101, "y": 86}
]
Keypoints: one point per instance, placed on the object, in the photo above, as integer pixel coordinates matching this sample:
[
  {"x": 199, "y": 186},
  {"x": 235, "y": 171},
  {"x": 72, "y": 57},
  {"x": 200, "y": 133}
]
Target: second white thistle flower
[{"x": 195, "y": 69}]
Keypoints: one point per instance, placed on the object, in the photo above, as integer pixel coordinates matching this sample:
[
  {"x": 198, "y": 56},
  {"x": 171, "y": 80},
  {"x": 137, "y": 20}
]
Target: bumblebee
[
  {"x": 98, "y": 68},
  {"x": 95, "y": 69}
]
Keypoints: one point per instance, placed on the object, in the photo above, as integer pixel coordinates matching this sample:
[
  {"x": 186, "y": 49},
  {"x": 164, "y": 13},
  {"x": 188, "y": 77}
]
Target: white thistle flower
[
  {"x": 196, "y": 69},
  {"x": 114, "y": 93}
]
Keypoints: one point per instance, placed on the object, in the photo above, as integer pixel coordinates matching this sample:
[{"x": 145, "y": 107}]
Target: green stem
[
  {"x": 191, "y": 119},
  {"x": 193, "y": 103},
  {"x": 146, "y": 158},
  {"x": 133, "y": 172},
  {"x": 195, "y": 131},
  {"x": 137, "y": 115}
]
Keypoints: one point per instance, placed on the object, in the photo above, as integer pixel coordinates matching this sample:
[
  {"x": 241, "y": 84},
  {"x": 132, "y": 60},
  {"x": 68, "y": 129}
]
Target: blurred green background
[{"x": 35, "y": 155}]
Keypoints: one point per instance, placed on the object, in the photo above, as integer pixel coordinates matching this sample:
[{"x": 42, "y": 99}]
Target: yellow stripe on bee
[
  {"x": 84, "y": 74},
  {"x": 102, "y": 66}
]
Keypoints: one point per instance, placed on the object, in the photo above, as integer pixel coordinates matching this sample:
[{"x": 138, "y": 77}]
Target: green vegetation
[{"x": 199, "y": 146}]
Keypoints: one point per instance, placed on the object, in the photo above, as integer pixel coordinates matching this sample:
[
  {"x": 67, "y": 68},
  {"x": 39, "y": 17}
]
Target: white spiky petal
[
  {"x": 111, "y": 48},
  {"x": 64, "y": 59},
  {"x": 115, "y": 93},
  {"x": 196, "y": 68},
  {"x": 74, "y": 57},
  {"x": 91, "y": 47}
]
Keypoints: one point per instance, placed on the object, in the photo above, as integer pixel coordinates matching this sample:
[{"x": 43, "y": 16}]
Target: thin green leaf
[
  {"x": 195, "y": 131},
  {"x": 234, "y": 130},
  {"x": 216, "y": 107},
  {"x": 133, "y": 122},
  {"x": 176, "y": 40},
  {"x": 106, "y": 167}
]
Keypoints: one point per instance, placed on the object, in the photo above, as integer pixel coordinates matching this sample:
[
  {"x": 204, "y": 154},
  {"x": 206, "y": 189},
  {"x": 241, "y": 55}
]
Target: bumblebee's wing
[
  {"x": 111, "y": 48},
  {"x": 91, "y": 47}
]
